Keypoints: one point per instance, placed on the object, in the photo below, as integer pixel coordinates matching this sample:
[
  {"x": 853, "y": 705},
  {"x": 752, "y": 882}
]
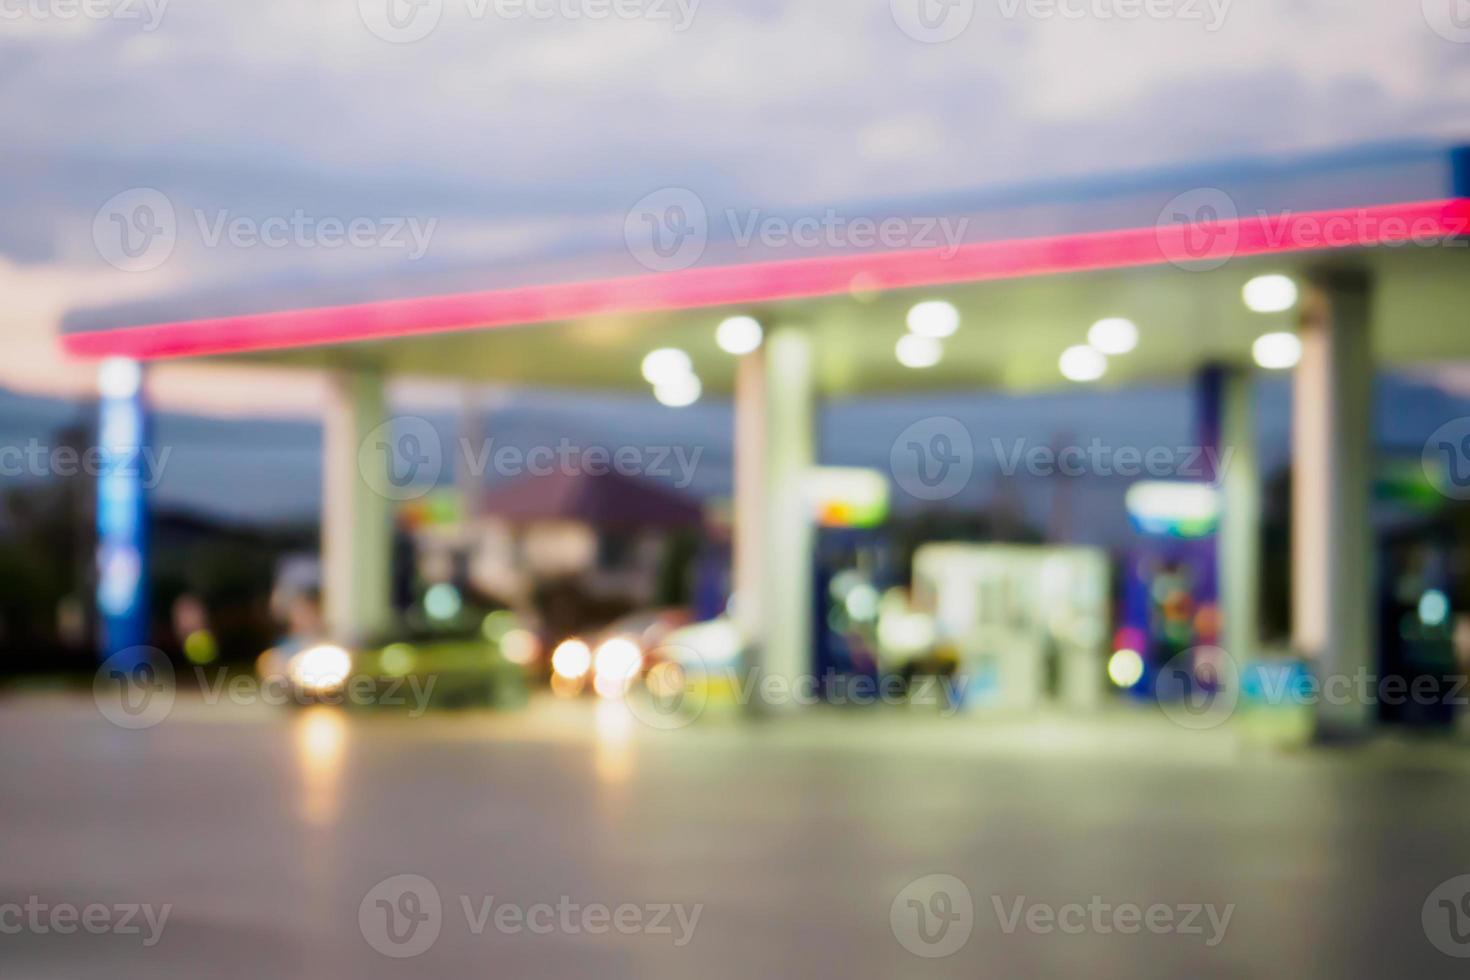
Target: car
[
  {"x": 423, "y": 668},
  {"x": 611, "y": 660},
  {"x": 701, "y": 662}
]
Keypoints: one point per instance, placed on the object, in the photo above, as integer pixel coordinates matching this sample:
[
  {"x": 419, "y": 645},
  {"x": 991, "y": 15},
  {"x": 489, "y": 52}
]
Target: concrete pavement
[{"x": 561, "y": 841}]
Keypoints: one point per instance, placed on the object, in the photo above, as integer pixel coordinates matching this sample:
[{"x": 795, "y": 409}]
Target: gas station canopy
[{"x": 1029, "y": 271}]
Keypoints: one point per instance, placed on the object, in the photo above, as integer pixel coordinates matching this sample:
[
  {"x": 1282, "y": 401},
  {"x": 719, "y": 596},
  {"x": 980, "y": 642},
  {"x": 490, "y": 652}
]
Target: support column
[
  {"x": 774, "y": 537},
  {"x": 357, "y": 530},
  {"x": 1238, "y": 556},
  {"x": 750, "y": 496},
  {"x": 1332, "y": 540}
]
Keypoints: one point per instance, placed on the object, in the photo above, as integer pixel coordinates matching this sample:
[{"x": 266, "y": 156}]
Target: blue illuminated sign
[{"x": 122, "y": 509}]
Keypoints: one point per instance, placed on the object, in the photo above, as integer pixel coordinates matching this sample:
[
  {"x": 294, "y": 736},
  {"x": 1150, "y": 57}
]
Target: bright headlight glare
[
  {"x": 320, "y": 668},
  {"x": 618, "y": 658},
  {"x": 571, "y": 659}
]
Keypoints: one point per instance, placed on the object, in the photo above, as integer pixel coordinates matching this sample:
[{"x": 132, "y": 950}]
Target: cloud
[{"x": 513, "y": 131}]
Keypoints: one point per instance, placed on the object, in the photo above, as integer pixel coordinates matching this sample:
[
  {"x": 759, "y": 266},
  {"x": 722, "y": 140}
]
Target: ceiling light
[
  {"x": 915, "y": 351},
  {"x": 666, "y": 364},
  {"x": 1269, "y": 294},
  {"x": 1277, "y": 351},
  {"x": 678, "y": 392},
  {"x": 1113, "y": 335},
  {"x": 1082, "y": 363},
  {"x": 934, "y": 318},
  {"x": 739, "y": 335}
]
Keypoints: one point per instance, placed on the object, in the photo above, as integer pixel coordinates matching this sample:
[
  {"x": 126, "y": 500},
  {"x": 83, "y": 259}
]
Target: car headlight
[
  {"x": 320, "y": 668},
  {"x": 616, "y": 665},
  {"x": 571, "y": 659}
]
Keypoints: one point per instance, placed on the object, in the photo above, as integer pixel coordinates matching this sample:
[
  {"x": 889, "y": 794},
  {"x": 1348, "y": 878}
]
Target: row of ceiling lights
[
  {"x": 1276, "y": 350},
  {"x": 671, "y": 373},
  {"x": 929, "y": 323},
  {"x": 1113, "y": 335},
  {"x": 1273, "y": 294}
]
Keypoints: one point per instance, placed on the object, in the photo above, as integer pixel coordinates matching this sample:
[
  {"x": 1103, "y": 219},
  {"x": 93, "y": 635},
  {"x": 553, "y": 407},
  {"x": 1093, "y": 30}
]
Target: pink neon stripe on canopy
[{"x": 766, "y": 282}]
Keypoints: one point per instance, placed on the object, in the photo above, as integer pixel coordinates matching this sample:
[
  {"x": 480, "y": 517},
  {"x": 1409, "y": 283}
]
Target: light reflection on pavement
[{"x": 265, "y": 830}]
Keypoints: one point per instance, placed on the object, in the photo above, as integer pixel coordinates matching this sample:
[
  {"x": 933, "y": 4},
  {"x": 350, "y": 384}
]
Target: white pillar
[
  {"x": 1238, "y": 554},
  {"x": 357, "y": 531},
  {"x": 750, "y": 494},
  {"x": 1332, "y": 541},
  {"x": 774, "y": 537}
]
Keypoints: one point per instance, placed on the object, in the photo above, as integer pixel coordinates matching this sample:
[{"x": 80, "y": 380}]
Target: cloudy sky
[{"x": 531, "y": 125}]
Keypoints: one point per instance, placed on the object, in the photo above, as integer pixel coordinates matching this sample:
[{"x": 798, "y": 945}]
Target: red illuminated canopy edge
[{"x": 1199, "y": 244}]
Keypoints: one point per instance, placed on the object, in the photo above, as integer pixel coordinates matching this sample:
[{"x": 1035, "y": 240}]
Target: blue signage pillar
[
  {"x": 1209, "y": 393},
  {"x": 122, "y": 508}
]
